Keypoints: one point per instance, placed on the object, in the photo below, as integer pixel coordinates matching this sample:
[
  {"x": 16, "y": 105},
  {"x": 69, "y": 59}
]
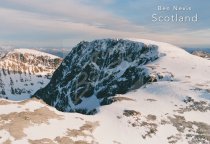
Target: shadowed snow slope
[{"x": 174, "y": 109}]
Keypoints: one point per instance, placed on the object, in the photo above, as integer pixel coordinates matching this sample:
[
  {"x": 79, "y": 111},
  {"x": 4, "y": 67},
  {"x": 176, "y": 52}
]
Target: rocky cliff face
[
  {"x": 94, "y": 72},
  {"x": 24, "y": 71}
]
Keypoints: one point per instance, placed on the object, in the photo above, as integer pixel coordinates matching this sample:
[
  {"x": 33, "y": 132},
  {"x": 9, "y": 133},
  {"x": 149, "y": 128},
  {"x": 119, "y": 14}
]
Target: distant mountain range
[
  {"x": 201, "y": 52},
  {"x": 191, "y": 50},
  {"x": 60, "y": 52}
]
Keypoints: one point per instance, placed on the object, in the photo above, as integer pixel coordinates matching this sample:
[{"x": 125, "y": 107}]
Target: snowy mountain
[
  {"x": 172, "y": 108},
  {"x": 24, "y": 71},
  {"x": 94, "y": 72}
]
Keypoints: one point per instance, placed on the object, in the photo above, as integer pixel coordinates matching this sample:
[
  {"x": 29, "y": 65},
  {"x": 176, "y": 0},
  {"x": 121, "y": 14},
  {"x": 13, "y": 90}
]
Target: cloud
[
  {"x": 55, "y": 23},
  {"x": 73, "y": 11}
]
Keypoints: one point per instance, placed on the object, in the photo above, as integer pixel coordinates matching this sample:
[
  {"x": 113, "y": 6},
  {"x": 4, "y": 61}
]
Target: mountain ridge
[{"x": 23, "y": 71}]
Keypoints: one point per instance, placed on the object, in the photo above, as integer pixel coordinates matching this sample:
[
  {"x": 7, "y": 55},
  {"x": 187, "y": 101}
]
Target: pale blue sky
[{"x": 63, "y": 23}]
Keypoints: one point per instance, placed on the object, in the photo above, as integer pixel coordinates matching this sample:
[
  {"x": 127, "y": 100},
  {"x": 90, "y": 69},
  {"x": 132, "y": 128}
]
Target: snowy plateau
[{"x": 170, "y": 105}]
